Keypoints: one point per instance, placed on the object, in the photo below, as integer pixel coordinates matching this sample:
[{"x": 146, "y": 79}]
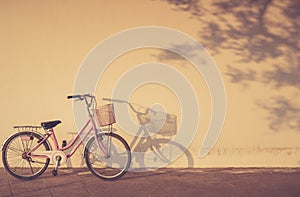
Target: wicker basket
[{"x": 105, "y": 115}]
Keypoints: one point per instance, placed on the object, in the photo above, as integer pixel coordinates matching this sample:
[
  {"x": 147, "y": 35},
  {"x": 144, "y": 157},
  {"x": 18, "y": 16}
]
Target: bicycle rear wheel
[
  {"x": 14, "y": 155},
  {"x": 112, "y": 165}
]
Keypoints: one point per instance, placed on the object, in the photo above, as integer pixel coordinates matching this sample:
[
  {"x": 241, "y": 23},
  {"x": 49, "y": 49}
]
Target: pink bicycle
[{"x": 27, "y": 153}]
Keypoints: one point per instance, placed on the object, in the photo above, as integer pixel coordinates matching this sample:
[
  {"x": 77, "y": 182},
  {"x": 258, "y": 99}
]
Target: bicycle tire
[
  {"x": 15, "y": 161},
  {"x": 116, "y": 164}
]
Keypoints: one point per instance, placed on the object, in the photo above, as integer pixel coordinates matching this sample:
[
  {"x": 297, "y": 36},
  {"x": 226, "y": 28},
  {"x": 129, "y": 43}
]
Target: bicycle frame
[{"x": 51, "y": 134}]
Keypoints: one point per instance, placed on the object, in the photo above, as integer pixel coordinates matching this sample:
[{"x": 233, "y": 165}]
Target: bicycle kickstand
[{"x": 55, "y": 171}]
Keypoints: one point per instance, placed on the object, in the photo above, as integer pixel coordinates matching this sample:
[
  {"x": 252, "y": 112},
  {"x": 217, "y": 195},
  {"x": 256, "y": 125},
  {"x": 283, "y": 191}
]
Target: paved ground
[{"x": 162, "y": 182}]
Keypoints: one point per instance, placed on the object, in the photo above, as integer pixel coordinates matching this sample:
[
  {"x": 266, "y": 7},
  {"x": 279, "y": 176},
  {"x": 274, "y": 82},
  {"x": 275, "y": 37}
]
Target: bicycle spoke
[
  {"x": 22, "y": 143},
  {"x": 14, "y": 149},
  {"x": 18, "y": 145}
]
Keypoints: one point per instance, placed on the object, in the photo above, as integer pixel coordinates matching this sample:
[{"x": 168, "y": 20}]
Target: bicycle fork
[
  {"x": 105, "y": 148},
  {"x": 102, "y": 148}
]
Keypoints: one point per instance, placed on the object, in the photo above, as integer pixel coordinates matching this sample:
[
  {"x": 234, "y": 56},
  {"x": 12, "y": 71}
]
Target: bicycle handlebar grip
[{"x": 73, "y": 96}]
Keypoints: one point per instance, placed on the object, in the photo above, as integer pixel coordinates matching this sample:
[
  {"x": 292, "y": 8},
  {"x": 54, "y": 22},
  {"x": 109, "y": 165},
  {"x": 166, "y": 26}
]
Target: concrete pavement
[{"x": 161, "y": 182}]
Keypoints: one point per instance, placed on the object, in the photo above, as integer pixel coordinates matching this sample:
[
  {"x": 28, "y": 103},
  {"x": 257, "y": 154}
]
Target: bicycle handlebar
[{"x": 88, "y": 98}]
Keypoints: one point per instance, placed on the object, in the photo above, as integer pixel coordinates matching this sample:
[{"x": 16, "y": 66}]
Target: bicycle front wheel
[
  {"x": 15, "y": 159},
  {"x": 110, "y": 165}
]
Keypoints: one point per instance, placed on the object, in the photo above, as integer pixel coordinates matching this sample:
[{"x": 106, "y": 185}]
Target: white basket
[
  {"x": 105, "y": 115},
  {"x": 160, "y": 123}
]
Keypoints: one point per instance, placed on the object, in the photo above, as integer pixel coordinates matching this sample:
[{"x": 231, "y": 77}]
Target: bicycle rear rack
[
  {"x": 36, "y": 129},
  {"x": 27, "y": 127}
]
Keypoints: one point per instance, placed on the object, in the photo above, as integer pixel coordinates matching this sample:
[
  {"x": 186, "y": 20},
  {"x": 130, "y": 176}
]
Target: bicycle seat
[{"x": 50, "y": 124}]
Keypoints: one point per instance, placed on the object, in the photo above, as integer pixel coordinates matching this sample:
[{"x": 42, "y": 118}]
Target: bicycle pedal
[{"x": 54, "y": 172}]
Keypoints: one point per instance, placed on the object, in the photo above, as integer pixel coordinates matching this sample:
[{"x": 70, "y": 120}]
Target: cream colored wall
[{"x": 42, "y": 44}]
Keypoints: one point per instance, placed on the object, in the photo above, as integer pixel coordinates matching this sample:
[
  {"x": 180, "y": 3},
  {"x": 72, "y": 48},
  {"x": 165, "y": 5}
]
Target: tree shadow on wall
[{"x": 257, "y": 32}]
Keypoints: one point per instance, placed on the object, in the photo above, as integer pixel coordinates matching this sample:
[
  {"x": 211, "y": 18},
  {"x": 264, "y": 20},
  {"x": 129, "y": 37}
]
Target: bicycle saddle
[{"x": 50, "y": 124}]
